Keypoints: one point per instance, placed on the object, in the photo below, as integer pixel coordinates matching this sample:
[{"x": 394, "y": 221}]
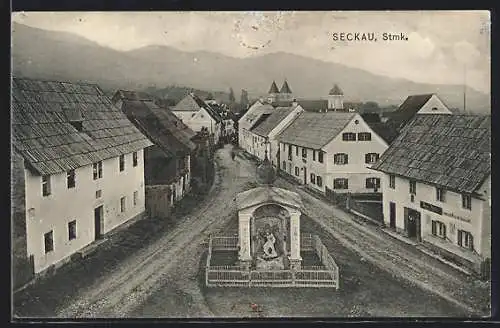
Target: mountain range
[{"x": 39, "y": 53}]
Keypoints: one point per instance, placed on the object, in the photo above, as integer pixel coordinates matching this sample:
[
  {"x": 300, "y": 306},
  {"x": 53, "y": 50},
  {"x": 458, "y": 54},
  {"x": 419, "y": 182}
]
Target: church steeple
[
  {"x": 273, "y": 89},
  {"x": 285, "y": 92}
]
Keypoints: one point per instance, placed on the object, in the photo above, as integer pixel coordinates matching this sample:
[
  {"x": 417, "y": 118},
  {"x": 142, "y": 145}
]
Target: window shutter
[
  {"x": 367, "y": 158},
  {"x": 433, "y": 227},
  {"x": 444, "y": 229},
  {"x": 460, "y": 237}
]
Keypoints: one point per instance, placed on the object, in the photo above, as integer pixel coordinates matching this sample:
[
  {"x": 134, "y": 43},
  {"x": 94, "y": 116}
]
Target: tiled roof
[
  {"x": 193, "y": 103},
  {"x": 272, "y": 121},
  {"x": 315, "y": 130},
  {"x": 262, "y": 195},
  {"x": 285, "y": 88},
  {"x": 384, "y": 130},
  {"x": 248, "y": 120},
  {"x": 408, "y": 109},
  {"x": 42, "y": 133},
  {"x": 336, "y": 91},
  {"x": 161, "y": 125},
  {"x": 273, "y": 88},
  {"x": 260, "y": 120},
  {"x": 452, "y": 151}
]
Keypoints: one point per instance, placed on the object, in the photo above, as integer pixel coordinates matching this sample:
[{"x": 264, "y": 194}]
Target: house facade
[
  {"x": 82, "y": 166},
  {"x": 197, "y": 114},
  {"x": 332, "y": 150},
  {"x": 255, "y": 114},
  {"x": 437, "y": 186},
  {"x": 168, "y": 161},
  {"x": 264, "y": 133}
]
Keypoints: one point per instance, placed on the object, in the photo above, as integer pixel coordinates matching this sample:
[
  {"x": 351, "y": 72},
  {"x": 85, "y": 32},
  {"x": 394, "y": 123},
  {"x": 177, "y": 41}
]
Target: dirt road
[
  {"x": 402, "y": 261},
  {"x": 121, "y": 291}
]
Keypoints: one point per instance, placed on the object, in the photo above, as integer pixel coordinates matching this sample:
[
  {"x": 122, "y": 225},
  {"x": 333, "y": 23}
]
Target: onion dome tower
[{"x": 335, "y": 98}]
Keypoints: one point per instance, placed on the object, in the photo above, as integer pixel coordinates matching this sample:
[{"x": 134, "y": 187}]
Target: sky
[{"x": 447, "y": 47}]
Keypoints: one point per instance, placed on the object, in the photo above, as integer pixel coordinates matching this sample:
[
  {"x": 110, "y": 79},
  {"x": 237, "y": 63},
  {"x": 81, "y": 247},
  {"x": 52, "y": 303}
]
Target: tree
[
  {"x": 370, "y": 107},
  {"x": 232, "y": 99},
  {"x": 244, "y": 99}
]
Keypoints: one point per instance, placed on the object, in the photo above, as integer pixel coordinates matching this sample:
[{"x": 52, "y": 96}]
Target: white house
[
  {"x": 264, "y": 133},
  {"x": 416, "y": 104},
  {"x": 82, "y": 167},
  {"x": 437, "y": 185},
  {"x": 196, "y": 114},
  {"x": 256, "y": 113},
  {"x": 333, "y": 150}
]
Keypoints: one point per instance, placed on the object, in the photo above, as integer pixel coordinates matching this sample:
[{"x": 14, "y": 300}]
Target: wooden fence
[{"x": 326, "y": 275}]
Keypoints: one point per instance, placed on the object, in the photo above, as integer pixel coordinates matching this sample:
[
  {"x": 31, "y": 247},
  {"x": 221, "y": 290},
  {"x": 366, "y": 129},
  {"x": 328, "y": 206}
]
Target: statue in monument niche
[
  {"x": 268, "y": 247},
  {"x": 269, "y": 250}
]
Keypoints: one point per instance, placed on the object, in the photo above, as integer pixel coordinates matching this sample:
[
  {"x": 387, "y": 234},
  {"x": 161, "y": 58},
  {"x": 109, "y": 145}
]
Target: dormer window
[{"x": 74, "y": 117}]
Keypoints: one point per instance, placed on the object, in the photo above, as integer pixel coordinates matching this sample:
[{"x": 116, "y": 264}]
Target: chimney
[{"x": 294, "y": 102}]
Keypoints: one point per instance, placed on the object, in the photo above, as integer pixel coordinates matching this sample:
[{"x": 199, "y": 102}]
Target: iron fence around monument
[{"x": 326, "y": 275}]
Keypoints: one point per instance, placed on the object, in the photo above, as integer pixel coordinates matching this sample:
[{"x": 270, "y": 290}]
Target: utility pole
[{"x": 465, "y": 88}]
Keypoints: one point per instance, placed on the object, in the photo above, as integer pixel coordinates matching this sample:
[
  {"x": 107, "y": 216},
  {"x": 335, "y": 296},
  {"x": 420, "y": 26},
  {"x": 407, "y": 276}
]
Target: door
[
  {"x": 392, "y": 215},
  {"x": 98, "y": 222},
  {"x": 413, "y": 225},
  {"x": 305, "y": 175}
]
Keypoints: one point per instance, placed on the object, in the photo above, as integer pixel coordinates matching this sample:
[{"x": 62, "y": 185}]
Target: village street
[{"x": 163, "y": 278}]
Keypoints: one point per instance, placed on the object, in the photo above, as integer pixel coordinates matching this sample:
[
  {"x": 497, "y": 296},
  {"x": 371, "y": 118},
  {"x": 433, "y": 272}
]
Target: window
[
  {"x": 98, "y": 193},
  {"x": 372, "y": 183},
  {"x": 304, "y": 152},
  {"x": 364, "y": 136},
  {"x": 97, "y": 169},
  {"x": 349, "y": 136},
  {"x": 72, "y": 230},
  {"x": 289, "y": 152},
  {"x": 71, "y": 179},
  {"x": 46, "y": 185},
  {"x": 340, "y": 159},
  {"x": 296, "y": 171},
  {"x": 440, "y": 195},
  {"x": 320, "y": 156},
  {"x": 136, "y": 197},
  {"x": 466, "y": 202},
  {"x": 319, "y": 181},
  {"x": 296, "y": 150},
  {"x": 122, "y": 204},
  {"x": 314, "y": 155},
  {"x": 413, "y": 187},
  {"x": 284, "y": 166},
  {"x": 392, "y": 181},
  {"x": 434, "y": 108},
  {"x": 49, "y": 241},
  {"x": 465, "y": 239},
  {"x": 122, "y": 162},
  {"x": 313, "y": 178},
  {"x": 134, "y": 158},
  {"x": 439, "y": 229},
  {"x": 371, "y": 158},
  {"x": 340, "y": 184}
]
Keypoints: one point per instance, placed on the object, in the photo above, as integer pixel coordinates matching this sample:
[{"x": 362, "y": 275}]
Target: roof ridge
[{"x": 55, "y": 81}]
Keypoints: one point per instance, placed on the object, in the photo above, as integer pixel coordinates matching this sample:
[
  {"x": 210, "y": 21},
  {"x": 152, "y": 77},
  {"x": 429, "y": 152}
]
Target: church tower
[
  {"x": 273, "y": 93},
  {"x": 335, "y": 99},
  {"x": 286, "y": 92}
]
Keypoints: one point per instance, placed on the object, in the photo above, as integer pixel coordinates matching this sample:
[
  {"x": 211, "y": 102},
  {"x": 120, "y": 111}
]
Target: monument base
[
  {"x": 295, "y": 264},
  {"x": 273, "y": 264}
]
